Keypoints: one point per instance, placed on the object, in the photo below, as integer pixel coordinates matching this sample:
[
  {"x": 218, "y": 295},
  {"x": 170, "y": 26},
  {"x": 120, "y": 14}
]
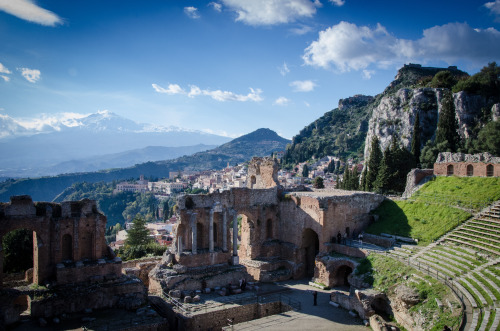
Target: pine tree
[
  {"x": 447, "y": 127},
  {"x": 305, "y": 171},
  {"x": 415, "y": 140},
  {"x": 138, "y": 234},
  {"x": 373, "y": 163},
  {"x": 318, "y": 182},
  {"x": 382, "y": 181},
  {"x": 363, "y": 179}
]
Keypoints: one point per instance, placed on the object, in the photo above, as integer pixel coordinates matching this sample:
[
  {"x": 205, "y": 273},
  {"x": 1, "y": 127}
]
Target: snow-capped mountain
[{"x": 30, "y": 145}]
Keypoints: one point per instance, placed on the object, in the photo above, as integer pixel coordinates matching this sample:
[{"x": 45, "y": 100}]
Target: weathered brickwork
[
  {"x": 65, "y": 236},
  {"x": 467, "y": 165},
  {"x": 279, "y": 235}
]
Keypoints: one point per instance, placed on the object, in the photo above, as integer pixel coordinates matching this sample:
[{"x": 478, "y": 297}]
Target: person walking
[
  {"x": 339, "y": 238},
  {"x": 315, "y": 296}
]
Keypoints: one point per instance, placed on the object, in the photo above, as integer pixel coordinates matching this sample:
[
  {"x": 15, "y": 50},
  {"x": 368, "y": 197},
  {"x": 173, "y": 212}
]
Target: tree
[
  {"x": 382, "y": 181},
  {"x": 488, "y": 139},
  {"x": 138, "y": 234},
  {"x": 415, "y": 140},
  {"x": 447, "y": 127},
  {"x": 318, "y": 182},
  {"x": 331, "y": 167},
  {"x": 363, "y": 179},
  {"x": 373, "y": 163},
  {"x": 443, "y": 79},
  {"x": 305, "y": 171},
  {"x": 18, "y": 250},
  {"x": 354, "y": 179}
]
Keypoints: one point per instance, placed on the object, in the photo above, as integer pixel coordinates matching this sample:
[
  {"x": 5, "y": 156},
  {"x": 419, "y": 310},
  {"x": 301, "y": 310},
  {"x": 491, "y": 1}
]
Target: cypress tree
[
  {"x": 363, "y": 179},
  {"x": 305, "y": 171},
  {"x": 447, "y": 127},
  {"x": 385, "y": 173},
  {"x": 415, "y": 140},
  {"x": 373, "y": 163},
  {"x": 354, "y": 179},
  {"x": 345, "y": 180},
  {"x": 138, "y": 234}
]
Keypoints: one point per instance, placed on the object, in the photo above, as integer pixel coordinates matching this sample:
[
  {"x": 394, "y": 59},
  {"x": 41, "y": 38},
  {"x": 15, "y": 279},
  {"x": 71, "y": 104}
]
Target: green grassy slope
[{"x": 436, "y": 208}]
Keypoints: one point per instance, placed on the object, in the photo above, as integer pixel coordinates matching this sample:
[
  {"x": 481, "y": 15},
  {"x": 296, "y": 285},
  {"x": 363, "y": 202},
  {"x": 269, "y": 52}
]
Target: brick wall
[{"x": 460, "y": 169}]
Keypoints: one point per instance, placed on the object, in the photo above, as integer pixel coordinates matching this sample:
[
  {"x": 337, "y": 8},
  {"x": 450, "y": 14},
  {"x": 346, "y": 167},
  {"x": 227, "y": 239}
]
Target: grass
[
  {"x": 465, "y": 192},
  {"x": 492, "y": 318},
  {"x": 423, "y": 221},
  {"x": 481, "y": 290},
  {"x": 386, "y": 273},
  {"x": 436, "y": 208},
  {"x": 476, "y": 298},
  {"x": 485, "y": 283}
]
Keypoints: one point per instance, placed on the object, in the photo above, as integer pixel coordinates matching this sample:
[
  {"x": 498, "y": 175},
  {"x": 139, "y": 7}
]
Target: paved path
[{"x": 310, "y": 317}]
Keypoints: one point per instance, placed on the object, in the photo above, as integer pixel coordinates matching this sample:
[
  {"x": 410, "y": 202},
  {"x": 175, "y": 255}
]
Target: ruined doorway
[
  {"x": 489, "y": 170},
  {"x": 310, "y": 248},
  {"x": 67, "y": 247},
  {"x": 87, "y": 244},
  {"x": 18, "y": 257},
  {"x": 199, "y": 236},
  {"x": 341, "y": 276},
  {"x": 269, "y": 229}
]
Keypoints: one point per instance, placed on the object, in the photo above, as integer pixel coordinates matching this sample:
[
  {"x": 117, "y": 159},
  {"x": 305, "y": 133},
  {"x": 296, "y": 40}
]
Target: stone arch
[
  {"x": 309, "y": 248},
  {"x": 181, "y": 233},
  {"x": 339, "y": 277},
  {"x": 470, "y": 170},
  {"x": 200, "y": 236},
  {"x": 253, "y": 181},
  {"x": 248, "y": 235},
  {"x": 489, "y": 170},
  {"x": 38, "y": 251},
  {"x": 189, "y": 203},
  {"x": 67, "y": 247},
  {"x": 449, "y": 170},
  {"x": 216, "y": 235},
  {"x": 86, "y": 243},
  {"x": 269, "y": 229}
]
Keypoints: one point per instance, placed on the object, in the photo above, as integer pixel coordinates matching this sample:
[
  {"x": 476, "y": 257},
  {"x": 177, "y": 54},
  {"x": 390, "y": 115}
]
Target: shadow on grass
[{"x": 392, "y": 220}]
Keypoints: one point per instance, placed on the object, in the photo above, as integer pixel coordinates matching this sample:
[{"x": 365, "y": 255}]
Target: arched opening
[
  {"x": 470, "y": 170},
  {"x": 86, "y": 244},
  {"x": 199, "y": 236},
  {"x": 382, "y": 307},
  {"x": 67, "y": 247},
  {"x": 181, "y": 234},
  {"x": 18, "y": 256},
  {"x": 310, "y": 248},
  {"x": 489, "y": 170},
  {"x": 269, "y": 229},
  {"x": 253, "y": 181},
  {"x": 449, "y": 170},
  {"x": 247, "y": 235},
  {"x": 341, "y": 276},
  {"x": 216, "y": 236},
  {"x": 188, "y": 203}
]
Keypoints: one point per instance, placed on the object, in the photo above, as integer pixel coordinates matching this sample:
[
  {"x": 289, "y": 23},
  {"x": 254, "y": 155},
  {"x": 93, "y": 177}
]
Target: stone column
[
  {"x": 179, "y": 245},
  {"x": 234, "y": 259},
  {"x": 193, "y": 233},
  {"x": 211, "y": 232},
  {"x": 224, "y": 230}
]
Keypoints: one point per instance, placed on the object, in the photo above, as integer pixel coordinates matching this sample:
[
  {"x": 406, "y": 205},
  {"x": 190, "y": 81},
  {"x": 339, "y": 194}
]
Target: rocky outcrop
[
  {"x": 415, "y": 179},
  {"x": 396, "y": 112}
]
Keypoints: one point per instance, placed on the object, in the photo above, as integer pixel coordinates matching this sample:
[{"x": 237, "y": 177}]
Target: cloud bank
[
  {"x": 346, "y": 46},
  {"x": 303, "y": 85},
  {"x": 29, "y": 11},
  {"x": 218, "y": 95},
  {"x": 266, "y": 12}
]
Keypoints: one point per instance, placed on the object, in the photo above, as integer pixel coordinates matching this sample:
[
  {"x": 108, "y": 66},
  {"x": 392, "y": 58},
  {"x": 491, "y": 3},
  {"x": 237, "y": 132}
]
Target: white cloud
[
  {"x": 494, "y": 8},
  {"x": 367, "y": 74},
  {"x": 281, "y": 101},
  {"x": 5, "y": 78},
  {"x": 3, "y": 69},
  {"x": 347, "y": 46},
  {"x": 31, "y": 75},
  {"x": 218, "y": 95},
  {"x": 265, "y": 12},
  {"x": 301, "y": 30},
  {"x": 29, "y": 11},
  {"x": 303, "y": 85},
  {"x": 338, "y": 2},
  {"x": 284, "y": 69},
  {"x": 192, "y": 12},
  {"x": 44, "y": 122},
  {"x": 171, "y": 89},
  {"x": 307, "y": 104},
  {"x": 216, "y": 6}
]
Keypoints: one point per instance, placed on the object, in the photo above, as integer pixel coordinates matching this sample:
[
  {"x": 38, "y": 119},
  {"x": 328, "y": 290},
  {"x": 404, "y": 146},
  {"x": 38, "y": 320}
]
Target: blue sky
[{"x": 226, "y": 66}]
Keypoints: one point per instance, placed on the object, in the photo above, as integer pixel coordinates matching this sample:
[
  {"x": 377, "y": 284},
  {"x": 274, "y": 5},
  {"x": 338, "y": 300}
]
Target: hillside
[
  {"x": 438, "y": 207},
  {"x": 261, "y": 142},
  {"x": 347, "y": 130}
]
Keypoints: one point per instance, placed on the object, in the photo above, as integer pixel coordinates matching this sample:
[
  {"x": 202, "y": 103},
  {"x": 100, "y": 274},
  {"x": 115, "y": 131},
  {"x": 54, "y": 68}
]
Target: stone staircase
[{"x": 467, "y": 259}]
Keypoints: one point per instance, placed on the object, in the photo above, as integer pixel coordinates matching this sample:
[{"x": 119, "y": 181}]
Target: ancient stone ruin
[
  {"x": 73, "y": 267},
  {"x": 259, "y": 232}
]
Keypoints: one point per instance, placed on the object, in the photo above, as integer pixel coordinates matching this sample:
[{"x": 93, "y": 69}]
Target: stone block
[
  {"x": 196, "y": 298},
  {"x": 188, "y": 299}
]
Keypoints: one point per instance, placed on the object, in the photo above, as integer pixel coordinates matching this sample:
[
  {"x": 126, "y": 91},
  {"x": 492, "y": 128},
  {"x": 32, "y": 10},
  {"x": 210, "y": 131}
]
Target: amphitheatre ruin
[{"x": 282, "y": 237}]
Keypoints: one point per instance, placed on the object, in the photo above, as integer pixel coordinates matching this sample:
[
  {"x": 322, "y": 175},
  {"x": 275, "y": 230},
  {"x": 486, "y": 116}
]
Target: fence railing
[{"x": 191, "y": 309}]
